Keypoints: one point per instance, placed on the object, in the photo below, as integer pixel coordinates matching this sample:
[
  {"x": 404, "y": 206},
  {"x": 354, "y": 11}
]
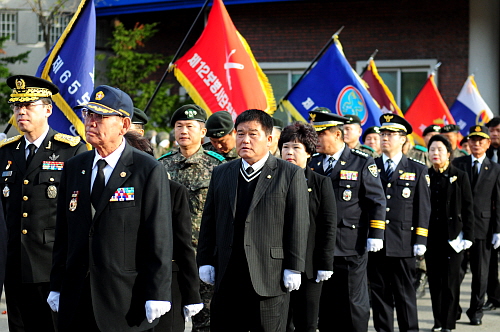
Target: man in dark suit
[
  {"x": 391, "y": 272},
  {"x": 252, "y": 243},
  {"x": 32, "y": 164},
  {"x": 360, "y": 224},
  {"x": 485, "y": 185},
  {"x": 112, "y": 262}
]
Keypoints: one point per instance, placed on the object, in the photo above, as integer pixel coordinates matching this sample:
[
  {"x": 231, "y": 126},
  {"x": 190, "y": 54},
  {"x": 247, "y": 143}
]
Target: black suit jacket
[
  {"x": 30, "y": 213},
  {"x": 322, "y": 224},
  {"x": 485, "y": 196},
  {"x": 275, "y": 226},
  {"x": 459, "y": 204},
  {"x": 408, "y": 206},
  {"x": 126, "y": 246},
  {"x": 3, "y": 247},
  {"x": 360, "y": 200}
]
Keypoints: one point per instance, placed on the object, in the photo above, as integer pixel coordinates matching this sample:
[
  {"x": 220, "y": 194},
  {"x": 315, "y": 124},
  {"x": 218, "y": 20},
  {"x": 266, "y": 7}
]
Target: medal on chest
[
  {"x": 52, "y": 191},
  {"x": 406, "y": 192},
  {"x": 6, "y": 191},
  {"x": 347, "y": 195},
  {"x": 74, "y": 201}
]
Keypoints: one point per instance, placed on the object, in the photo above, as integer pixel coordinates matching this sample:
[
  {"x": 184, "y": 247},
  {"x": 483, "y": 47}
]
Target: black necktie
[
  {"x": 249, "y": 170},
  {"x": 390, "y": 168},
  {"x": 32, "y": 148},
  {"x": 494, "y": 157},
  {"x": 329, "y": 169},
  {"x": 99, "y": 183},
  {"x": 475, "y": 172}
]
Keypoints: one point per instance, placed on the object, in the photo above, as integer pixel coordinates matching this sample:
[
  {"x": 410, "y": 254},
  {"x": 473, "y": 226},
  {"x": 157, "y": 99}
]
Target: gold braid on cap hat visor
[
  {"x": 28, "y": 94},
  {"x": 481, "y": 134},
  {"x": 393, "y": 127},
  {"x": 105, "y": 109},
  {"x": 319, "y": 126}
]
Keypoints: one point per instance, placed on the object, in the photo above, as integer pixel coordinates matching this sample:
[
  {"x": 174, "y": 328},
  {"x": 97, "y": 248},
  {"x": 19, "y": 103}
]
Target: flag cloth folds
[
  {"x": 334, "y": 84},
  {"x": 428, "y": 108},
  {"x": 379, "y": 91},
  {"x": 470, "y": 108},
  {"x": 70, "y": 65},
  {"x": 220, "y": 72}
]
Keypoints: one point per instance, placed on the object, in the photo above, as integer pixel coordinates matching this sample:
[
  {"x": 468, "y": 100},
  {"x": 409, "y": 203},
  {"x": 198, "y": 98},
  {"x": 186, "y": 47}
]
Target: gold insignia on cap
[
  {"x": 20, "y": 84},
  {"x": 99, "y": 95},
  {"x": 388, "y": 117},
  {"x": 313, "y": 117},
  {"x": 123, "y": 174},
  {"x": 478, "y": 128}
]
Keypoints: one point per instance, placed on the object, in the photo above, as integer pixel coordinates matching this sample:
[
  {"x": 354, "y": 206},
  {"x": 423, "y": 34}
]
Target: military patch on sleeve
[
  {"x": 71, "y": 140},
  {"x": 360, "y": 153},
  {"x": 215, "y": 155},
  {"x": 417, "y": 161},
  {"x": 10, "y": 140},
  {"x": 373, "y": 169},
  {"x": 428, "y": 179}
]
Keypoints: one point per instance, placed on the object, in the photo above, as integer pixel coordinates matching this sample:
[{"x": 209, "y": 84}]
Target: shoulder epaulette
[
  {"x": 215, "y": 155},
  {"x": 71, "y": 140},
  {"x": 360, "y": 153},
  {"x": 417, "y": 161},
  {"x": 368, "y": 147},
  {"x": 10, "y": 140},
  {"x": 421, "y": 148},
  {"x": 169, "y": 153}
]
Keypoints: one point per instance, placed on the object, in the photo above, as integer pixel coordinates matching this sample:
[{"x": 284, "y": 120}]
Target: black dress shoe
[
  {"x": 445, "y": 330},
  {"x": 476, "y": 321},
  {"x": 489, "y": 306}
]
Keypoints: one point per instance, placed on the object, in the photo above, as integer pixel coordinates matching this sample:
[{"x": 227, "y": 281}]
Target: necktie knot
[
  {"x": 101, "y": 163},
  {"x": 249, "y": 170}
]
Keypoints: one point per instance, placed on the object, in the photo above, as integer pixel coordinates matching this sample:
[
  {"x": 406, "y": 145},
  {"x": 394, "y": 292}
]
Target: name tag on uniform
[
  {"x": 53, "y": 165},
  {"x": 123, "y": 194},
  {"x": 349, "y": 175},
  {"x": 407, "y": 176},
  {"x": 6, "y": 173}
]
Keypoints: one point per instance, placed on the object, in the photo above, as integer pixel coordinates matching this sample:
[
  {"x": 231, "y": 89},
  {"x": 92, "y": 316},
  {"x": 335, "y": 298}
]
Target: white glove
[
  {"x": 53, "y": 301},
  {"x": 374, "y": 244},
  {"x": 292, "y": 279},
  {"x": 207, "y": 274},
  {"x": 323, "y": 275},
  {"x": 192, "y": 309},
  {"x": 466, "y": 244},
  {"x": 496, "y": 240},
  {"x": 419, "y": 249},
  {"x": 156, "y": 309}
]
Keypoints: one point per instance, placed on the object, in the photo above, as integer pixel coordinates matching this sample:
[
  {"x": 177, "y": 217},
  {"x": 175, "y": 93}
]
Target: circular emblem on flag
[
  {"x": 351, "y": 102},
  {"x": 482, "y": 118},
  {"x": 99, "y": 95}
]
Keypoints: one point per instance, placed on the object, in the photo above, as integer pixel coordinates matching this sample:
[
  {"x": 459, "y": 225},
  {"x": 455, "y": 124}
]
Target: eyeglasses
[
  {"x": 91, "y": 116},
  {"x": 389, "y": 134},
  {"x": 28, "y": 106}
]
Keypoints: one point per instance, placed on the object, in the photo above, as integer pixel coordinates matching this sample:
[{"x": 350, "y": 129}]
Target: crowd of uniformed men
[{"x": 292, "y": 228}]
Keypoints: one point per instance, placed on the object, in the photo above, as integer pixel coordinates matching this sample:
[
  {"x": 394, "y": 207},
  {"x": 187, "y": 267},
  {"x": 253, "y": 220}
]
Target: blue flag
[
  {"x": 70, "y": 65},
  {"x": 332, "y": 83}
]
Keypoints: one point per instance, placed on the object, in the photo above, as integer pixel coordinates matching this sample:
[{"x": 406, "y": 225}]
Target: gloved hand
[
  {"x": 466, "y": 244},
  {"x": 207, "y": 274},
  {"x": 496, "y": 240},
  {"x": 292, "y": 279},
  {"x": 374, "y": 245},
  {"x": 192, "y": 309},
  {"x": 323, "y": 275},
  {"x": 419, "y": 249},
  {"x": 53, "y": 301},
  {"x": 156, "y": 309}
]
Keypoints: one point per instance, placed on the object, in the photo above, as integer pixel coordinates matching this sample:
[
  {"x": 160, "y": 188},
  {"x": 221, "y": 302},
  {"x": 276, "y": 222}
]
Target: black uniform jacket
[
  {"x": 275, "y": 227},
  {"x": 322, "y": 224},
  {"x": 30, "y": 199},
  {"x": 459, "y": 204},
  {"x": 408, "y": 206},
  {"x": 485, "y": 195},
  {"x": 360, "y": 200},
  {"x": 125, "y": 247}
]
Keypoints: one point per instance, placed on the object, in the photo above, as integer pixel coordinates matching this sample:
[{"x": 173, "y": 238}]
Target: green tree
[
  {"x": 5, "y": 91},
  {"x": 129, "y": 70}
]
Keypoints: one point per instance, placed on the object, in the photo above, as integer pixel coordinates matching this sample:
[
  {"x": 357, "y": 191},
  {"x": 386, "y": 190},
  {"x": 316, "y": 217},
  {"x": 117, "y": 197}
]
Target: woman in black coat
[
  {"x": 450, "y": 232},
  {"x": 297, "y": 143}
]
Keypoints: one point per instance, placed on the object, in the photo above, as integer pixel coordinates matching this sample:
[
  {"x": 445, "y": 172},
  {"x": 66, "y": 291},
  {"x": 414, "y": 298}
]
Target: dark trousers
[
  {"x": 392, "y": 285},
  {"x": 480, "y": 254},
  {"x": 173, "y": 321},
  {"x": 443, "y": 272},
  {"x": 304, "y": 306},
  {"x": 493, "y": 289},
  {"x": 345, "y": 304}
]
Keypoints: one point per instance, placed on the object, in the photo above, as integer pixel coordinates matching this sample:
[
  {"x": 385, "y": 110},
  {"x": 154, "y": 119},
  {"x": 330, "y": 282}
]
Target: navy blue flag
[
  {"x": 70, "y": 65},
  {"x": 332, "y": 83}
]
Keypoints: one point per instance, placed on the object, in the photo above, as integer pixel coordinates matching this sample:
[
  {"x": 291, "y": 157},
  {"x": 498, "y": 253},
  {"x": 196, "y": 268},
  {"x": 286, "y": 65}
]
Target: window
[
  {"x": 8, "y": 22},
  {"x": 58, "y": 26},
  {"x": 404, "y": 78},
  {"x": 283, "y": 75}
]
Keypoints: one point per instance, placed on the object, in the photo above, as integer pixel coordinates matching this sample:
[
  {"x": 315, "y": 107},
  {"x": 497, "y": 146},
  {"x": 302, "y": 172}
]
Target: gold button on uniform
[
  {"x": 24, "y": 231},
  {"x": 25, "y": 198},
  {"x": 387, "y": 222},
  {"x": 25, "y": 215},
  {"x": 51, "y": 179},
  {"x": 26, "y": 182},
  {"x": 388, "y": 196},
  {"x": 388, "y": 209},
  {"x": 388, "y": 185}
]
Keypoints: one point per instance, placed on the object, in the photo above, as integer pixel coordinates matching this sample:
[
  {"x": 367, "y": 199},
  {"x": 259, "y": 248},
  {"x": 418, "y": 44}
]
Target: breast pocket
[
  {"x": 49, "y": 181},
  {"x": 348, "y": 191}
]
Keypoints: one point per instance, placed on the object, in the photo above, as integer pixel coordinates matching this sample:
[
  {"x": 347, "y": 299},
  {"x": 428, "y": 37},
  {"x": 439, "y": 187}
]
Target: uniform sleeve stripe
[
  {"x": 422, "y": 231},
  {"x": 377, "y": 224}
]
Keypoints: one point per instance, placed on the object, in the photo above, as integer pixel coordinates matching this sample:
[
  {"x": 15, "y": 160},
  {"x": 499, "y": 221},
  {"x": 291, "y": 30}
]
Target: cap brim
[
  {"x": 105, "y": 110},
  {"x": 481, "y": 134}
]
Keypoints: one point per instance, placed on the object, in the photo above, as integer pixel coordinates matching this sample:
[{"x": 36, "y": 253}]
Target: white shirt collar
[
  {"x": 256, "y": 166},
  {"x": 396, "y": 159},
  {"x": 480, "y": 159},
  {"x": 38, "y": 141},
  {"x": 112, "y": 159}
]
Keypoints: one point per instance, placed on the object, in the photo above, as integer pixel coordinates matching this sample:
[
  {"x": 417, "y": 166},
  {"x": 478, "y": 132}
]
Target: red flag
[
  {"x": 428, "y": 108},
  {"x": 220, "y": 73},
  {"x": 379, "y": 91}
]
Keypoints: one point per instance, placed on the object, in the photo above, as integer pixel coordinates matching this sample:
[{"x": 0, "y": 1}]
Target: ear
[
  {"x": 269, "y": 140},
  {"x": 126, "y": 125},
  {"x": 49, "y": 110},
  {"x": 203, "y": 132}
]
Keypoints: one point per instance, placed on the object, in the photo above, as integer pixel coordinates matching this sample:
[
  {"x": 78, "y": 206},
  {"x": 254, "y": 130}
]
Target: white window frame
[
  {"x": 289, "y": 68},
  {"x": 61, "y": 22},
  {"x": 11, "y": 24}
]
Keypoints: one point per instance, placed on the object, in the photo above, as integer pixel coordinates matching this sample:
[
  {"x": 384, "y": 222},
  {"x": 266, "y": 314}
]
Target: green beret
[
  {"x": 450, "y": 128},
  {"x": 219, "y": 124},
  {"x": 139, "y": 117},
  {"x": 189, "y": 112}
]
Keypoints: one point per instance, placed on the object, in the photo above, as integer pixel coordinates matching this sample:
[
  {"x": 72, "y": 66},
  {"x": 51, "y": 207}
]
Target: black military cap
[
  {"x": 493, "y": 122},
  {"x": 139, "y": 117},
  {"x": 433, "y": 128},
  {"x": 189, "y": 112},
  {"x": 464, "y": 140},
  {"x": 478, "y": 130},
  {"x": 30, "y": 88},
  {"x": 352, "y": 119},
  {"x": 107, "y": 100},
  {"x": 394, "y": 122},
  {"x": 371, "y": 130},
  {"x": 450, "y": 128},
  {"x": 219, "y": 124},
  {"x": 322, "y": 110},
  {"x": 278, "y": 124},
  {"x": 322, "y": 121}
]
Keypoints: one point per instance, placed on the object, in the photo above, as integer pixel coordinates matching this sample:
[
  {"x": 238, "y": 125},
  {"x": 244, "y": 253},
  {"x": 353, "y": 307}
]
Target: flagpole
[
  {"x": 170, "y": 65},
  {"x": 368, "y": 62}
]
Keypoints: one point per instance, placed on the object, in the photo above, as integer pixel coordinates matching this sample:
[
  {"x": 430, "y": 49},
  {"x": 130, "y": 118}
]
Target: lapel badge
[
  {"x": 485, "y": 167},
  {"x": 406, "y": 192},
  {"x": 453, "y": 179},
  {"x": 8, "y": 164},
  {"x": 347, "y": 195},
  {"x": 400, "y": 171},
  {"x": 123, "y": 174},
  {"x": 49, "y": 145},
  {"x": 83, "y": 171},
  {"x": 18, "y": 145},
  {"x": 53, "y": 157},
  {"x": 52, "y": 191},
  {"x": 342, "y": 162},
  {"x": 309, "y": 189},
  {"x": 74, "y": 201},
  {"x": 6, "y": 191},
  {"x": 319, "y": 163},
  {"x": 269, "y": 176}
]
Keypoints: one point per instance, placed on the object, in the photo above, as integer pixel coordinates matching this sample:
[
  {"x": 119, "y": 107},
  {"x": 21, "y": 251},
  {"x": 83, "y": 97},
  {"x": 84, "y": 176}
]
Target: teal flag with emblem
[{"x": 334, "y": 84}]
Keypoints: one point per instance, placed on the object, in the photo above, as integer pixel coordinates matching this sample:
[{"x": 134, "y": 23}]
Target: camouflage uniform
[
  {"x": 366, "y": 149},
  {"x": 420, "y": 153},
  {"x": 231, "y": 155}
]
